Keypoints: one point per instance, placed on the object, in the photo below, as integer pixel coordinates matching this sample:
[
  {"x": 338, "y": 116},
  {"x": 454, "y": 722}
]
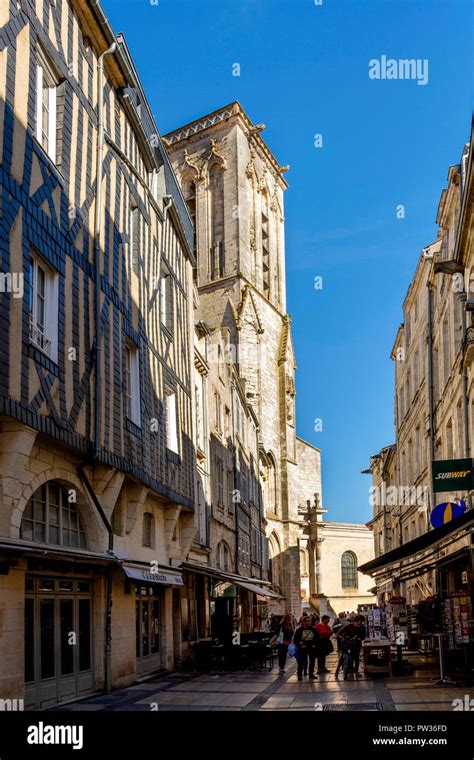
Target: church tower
[{"x": 234, "y": 188}]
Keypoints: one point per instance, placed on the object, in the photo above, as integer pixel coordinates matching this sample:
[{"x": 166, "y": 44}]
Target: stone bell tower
[{"x": 234, "y": 188}]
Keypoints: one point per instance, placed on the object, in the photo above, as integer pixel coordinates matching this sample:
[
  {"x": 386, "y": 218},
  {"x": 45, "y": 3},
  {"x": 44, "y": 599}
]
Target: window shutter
[
  {"x": 52, "y": 124},
  {"x": 39, "y": 102},
  {"x": 169, "y": 303},
  {"x": 60, "y": 102},
  {"x": 135, "y": 230}
]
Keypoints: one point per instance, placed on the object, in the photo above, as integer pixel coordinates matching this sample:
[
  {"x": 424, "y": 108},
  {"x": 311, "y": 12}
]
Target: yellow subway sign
[{"x": 452, "y": 475}]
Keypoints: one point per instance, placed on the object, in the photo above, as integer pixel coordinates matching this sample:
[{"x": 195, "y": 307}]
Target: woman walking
[
  {"x": 284, "y": 639},
  {"x": 325, "y": 646}
]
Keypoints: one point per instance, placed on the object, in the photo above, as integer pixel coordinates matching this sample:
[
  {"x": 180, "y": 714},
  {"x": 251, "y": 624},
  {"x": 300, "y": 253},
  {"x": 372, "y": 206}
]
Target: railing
[{"x": 38, "y": 338}]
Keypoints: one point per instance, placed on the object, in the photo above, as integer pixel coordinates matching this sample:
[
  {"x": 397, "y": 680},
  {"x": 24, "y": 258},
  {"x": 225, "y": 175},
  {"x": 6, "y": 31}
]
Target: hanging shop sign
[
  {"x": 446, "y": 512},
  {"x": 452, "y": 475}
]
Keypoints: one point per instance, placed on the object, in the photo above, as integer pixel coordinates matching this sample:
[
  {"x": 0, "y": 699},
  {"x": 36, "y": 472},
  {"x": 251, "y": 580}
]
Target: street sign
[
  {"x": 446, "y": 512},
  {"x": 452, "y": 475}
]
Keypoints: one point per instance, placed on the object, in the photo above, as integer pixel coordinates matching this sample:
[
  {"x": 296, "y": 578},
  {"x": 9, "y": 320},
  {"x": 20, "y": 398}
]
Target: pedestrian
[
  {"x": 325, "y": 646},
  {"x": 336, "y": 627},
  {"x": 306, "y": 639},
  {"x": 284, "y": 640},
  {"x": 352, "y": 635}
]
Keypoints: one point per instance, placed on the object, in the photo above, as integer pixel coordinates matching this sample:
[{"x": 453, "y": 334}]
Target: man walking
[{"x": 306, "y": 639}]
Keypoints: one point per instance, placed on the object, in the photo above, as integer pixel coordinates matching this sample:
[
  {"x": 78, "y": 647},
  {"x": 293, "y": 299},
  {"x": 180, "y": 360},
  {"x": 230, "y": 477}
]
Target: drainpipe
[
  {"x": 261, "y": 512},
  {"x": 462, "y": 298},
  {"x": 98, "y": 362},
  {"x": 108, "y": 609},
  {"x": 167, "y": 205},
  {"x": 465, "y": 395},
  {"x": 430, "y": 398},
  {"x": 97, "y": 226},
  {"x": 234, "y": 467}
]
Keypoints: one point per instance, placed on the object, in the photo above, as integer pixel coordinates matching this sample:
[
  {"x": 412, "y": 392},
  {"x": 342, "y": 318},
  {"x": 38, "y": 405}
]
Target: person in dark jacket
[
  {"x": 336, "y": 627},
  {"x": 352, "y": 634},
  {"x": 306, "y": 639},
  {"x": 286, "y": 634}
]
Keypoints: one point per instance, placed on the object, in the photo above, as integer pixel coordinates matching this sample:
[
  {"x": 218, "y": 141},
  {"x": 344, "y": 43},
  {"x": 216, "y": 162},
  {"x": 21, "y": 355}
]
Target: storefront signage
[
  {"x": 444, "y": 513},
  {"x": 452, "y": 475},
  {"x": 176, "y": 580},
  {"x": 168, "y": 578}
]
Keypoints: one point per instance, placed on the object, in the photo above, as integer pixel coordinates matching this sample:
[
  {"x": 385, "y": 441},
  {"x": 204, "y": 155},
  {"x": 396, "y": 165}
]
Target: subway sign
[{"x": 452, "y": 475}]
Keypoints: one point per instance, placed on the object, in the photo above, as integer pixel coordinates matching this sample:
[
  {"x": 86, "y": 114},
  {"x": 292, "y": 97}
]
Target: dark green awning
[{"x": 419, "y": 544}]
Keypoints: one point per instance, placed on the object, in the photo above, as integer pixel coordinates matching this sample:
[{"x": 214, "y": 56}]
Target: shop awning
[
  {"x": 257, "y": 589},
  {"x": 56, "y": 553},
  {"x": 419, "y": 544},
  {"x": 164, "y": 576},
  {"x": 238, "y": 580}
]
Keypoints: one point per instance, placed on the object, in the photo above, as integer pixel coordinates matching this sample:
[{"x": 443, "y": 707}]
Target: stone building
[
  {"x": 234, "y": 188},
  {"x": 383, "y": 496},
  {"x": 434, "y": 409},
  {"x": 226, "y": 570},
  {"x": 97, "y": 462}
]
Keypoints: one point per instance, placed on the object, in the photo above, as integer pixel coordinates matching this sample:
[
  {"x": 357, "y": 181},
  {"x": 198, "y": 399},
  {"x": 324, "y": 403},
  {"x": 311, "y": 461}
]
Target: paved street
[{"x": 263, "y": 690}]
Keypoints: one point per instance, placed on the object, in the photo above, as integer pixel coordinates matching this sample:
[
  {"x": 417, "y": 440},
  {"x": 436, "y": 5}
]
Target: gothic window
[
  {"x": 349, "y": 570},
  {"x": 275, "y": 561},
  {"x": 216, "y": 197},
  {"x": 190, "y": 196},
  {"x": 271, "y": 490},
  {"x": 265, "y": 248},
  {"x": 50, "y": 518}
]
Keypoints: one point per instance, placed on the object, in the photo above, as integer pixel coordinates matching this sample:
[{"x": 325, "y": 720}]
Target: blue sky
[{"x": 304, "y": 71}]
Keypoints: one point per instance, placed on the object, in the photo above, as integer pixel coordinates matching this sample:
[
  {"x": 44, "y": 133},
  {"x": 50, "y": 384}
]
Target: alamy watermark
[
  {"x": 402, "y": 68},
  {"x": 12, "y": 282}
]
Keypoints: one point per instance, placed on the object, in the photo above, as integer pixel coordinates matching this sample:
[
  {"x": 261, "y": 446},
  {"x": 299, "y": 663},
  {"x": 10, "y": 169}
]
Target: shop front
[
  {"x": 59, "y": 644},
  {"x": 240, "y": 604},
  {"x": 225, "y": 611},
  {"x": 439, "y": 565},
  {"x": 52, "y": 650},
  {"x": 149, "y": 588},
  {"x": 223, "y": 604},
  {"x": 456, "y": 591}
]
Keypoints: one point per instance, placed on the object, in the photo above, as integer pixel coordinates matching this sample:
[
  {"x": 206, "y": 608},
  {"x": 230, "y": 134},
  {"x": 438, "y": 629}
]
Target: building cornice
[{"x": 219, "y": 116}]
